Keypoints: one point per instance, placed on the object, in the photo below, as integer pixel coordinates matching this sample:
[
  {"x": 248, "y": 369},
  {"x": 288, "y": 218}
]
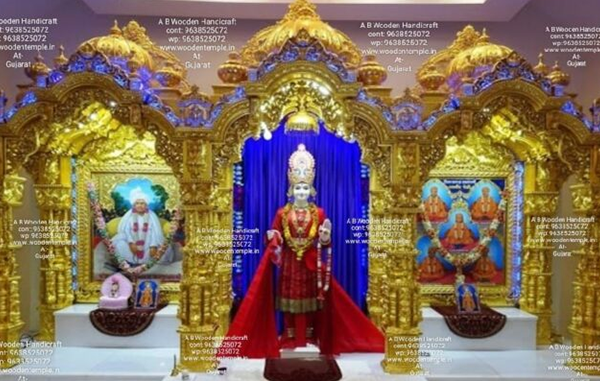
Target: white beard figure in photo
[{"x": 140, "y": 233}]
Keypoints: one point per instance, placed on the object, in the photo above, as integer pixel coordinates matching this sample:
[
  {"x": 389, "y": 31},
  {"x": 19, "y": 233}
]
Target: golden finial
[
  {"x": 61, "y": 59},
  {"x": 408, "y": 96},
  {"x": 115, "y": 28},
  {"x": 430, "y": 79},
  {"x": 559, "y": 77},
  {"x": 301, "y": 22},
  {"x": 541, "y": 68},
  {"x": 301, "y": 9},
  {"x": 38, "y": 68},
  {"x": 370, "y": 72},
  {"x": 232, "y": 70}
]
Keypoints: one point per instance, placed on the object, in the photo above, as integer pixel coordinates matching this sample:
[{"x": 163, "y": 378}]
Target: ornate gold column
[
  {"x": 399, "y": 205},
  {"x": 11, "y": 188},
  {"x": 585, "y": 319},
  {"x": 199, "y": 290},
  {"x": 541, "y": 201},
  {"x": 53, "y": 194},
  {"x": 222, "y": 200}
]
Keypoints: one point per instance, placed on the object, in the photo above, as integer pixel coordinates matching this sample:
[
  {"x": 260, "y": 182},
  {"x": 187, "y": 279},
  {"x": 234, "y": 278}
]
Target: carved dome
[
  {"x": 482, "y": 54},
  {"x": 116, "y": 45},
  {"x": 301, "y": 21}
]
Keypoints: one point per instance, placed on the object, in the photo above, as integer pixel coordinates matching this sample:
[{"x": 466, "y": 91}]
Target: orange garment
[
  {"x": 484, "y": 209},
  {"x": 459, "y": 234},
  {"x": 484, "y": 269},
  {"x": 431, "y": 269},
  {"x": 435, "y": 208}
]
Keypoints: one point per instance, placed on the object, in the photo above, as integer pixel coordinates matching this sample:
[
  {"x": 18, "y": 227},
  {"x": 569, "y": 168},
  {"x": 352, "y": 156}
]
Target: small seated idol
[
  {"x": 114, "y": 289},
  {"x": 115, "y": 292},
  {"x": 140, "y": 234},
  {"x": 316, "y": 310},
  {"x": 435, "y": 208},
  {"x": 431, "y": 269},
  {"x": 485, "y": 208},
  {"x": 147, "y": 300},
  {"x": 485, "y": 269},
  {"x": 459, "y": 235},
  {"x": 468, "y": 304}
]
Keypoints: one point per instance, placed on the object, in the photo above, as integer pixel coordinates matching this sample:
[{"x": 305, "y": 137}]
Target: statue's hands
[
  {"x": 325, "y": 231},
  {"x": 136, "y": 270},
  {"x": 154, "y": 252},
  {"x": 133, "y": 247}
]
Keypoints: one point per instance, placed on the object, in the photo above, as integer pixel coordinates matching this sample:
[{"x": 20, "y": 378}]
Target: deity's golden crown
[{"x": 302, "y": 166}]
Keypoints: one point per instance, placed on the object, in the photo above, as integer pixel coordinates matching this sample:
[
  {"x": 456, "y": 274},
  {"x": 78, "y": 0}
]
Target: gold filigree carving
[
  {"x": 301, "y": 21},
  {"x": 13, "y": 190}
]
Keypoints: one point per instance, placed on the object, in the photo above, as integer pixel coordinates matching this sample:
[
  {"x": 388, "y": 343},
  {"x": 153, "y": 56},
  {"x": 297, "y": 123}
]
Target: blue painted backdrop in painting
[{"x": 339, "y": 193}]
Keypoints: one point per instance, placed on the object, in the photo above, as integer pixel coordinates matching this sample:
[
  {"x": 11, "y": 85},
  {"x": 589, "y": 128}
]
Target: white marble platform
[
  {"x": 155, "y": 364},
  {"x": 308, "y": 351},
  {"x": 74, "y": 329},
  {"x": 519, "y": 333},
  {"x": 96, "y": 364},
  {"x": 539, "y": 365}
]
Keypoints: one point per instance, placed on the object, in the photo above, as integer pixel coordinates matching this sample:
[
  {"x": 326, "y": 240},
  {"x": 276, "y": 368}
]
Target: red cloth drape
[{"x": 341, "y": 326}]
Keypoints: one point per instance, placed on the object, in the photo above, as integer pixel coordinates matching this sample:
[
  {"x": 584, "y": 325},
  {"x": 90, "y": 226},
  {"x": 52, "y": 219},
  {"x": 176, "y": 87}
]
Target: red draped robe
[{"x": 340, "y": 326}]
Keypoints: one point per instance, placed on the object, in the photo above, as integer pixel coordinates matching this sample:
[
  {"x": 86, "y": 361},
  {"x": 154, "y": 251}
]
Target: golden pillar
[
  {"x": 11, "y": 324},
  {"x": 222, "y": 200},
  {"x": 199, "y": 312},
  {"x": 541, "y": 201},
  {"x": 53, "y": 194},
  {"x": 585, "y": 319},
  {"x": 393, "y": 229}
]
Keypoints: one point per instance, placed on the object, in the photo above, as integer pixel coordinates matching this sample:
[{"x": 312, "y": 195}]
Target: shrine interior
[{"x": 299, "y": 190}]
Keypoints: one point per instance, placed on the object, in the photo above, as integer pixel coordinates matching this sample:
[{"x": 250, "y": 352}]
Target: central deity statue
[{"x": 316, "y": 310}]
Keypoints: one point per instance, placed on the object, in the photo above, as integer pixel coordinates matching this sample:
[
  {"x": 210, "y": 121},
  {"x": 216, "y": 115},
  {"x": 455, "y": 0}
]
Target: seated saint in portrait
[
  {"x": 435, "y": 208},
  {"x": 140, "y": 233},
  {"x": 485, "y": 269},
  {"x": 459, "y": 236},
  {"x": 485, "y": 208},
  {"x": 431, "y": 269}
]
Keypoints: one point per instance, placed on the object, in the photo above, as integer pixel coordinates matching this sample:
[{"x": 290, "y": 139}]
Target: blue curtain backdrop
[{"x": 339, "y": 193}]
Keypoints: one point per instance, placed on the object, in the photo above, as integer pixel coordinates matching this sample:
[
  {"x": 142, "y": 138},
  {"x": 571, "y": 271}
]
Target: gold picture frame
[
  {"x": 477, "y": 158},
  {"x": 105, "y": 178}
]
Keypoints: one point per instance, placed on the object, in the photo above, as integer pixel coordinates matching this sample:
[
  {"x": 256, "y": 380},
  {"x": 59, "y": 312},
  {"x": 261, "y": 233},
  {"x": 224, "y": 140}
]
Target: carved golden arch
[
  {"x": 551, "y": 145},
  {"x": 55, "y": 104},
  {"x": 223, "y": 145},
  {"x": 42, "y": 137},
  {"x": 361, "y": 121}
]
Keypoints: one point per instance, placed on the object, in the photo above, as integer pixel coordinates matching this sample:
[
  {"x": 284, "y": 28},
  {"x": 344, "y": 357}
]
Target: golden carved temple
[{"x": 479, "y": 109}]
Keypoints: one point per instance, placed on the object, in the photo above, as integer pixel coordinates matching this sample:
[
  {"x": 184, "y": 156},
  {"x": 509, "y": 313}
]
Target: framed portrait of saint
[{"x": 135, "y": 220}]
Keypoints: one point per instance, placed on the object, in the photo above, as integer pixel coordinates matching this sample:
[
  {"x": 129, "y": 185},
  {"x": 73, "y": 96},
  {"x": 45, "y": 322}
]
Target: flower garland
[
  {"x": 464, "y": 259},
  {"x": 323, "y": 288},
  {"x": 300, "y": 244},
  {"x": 101, "y": 227}
]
